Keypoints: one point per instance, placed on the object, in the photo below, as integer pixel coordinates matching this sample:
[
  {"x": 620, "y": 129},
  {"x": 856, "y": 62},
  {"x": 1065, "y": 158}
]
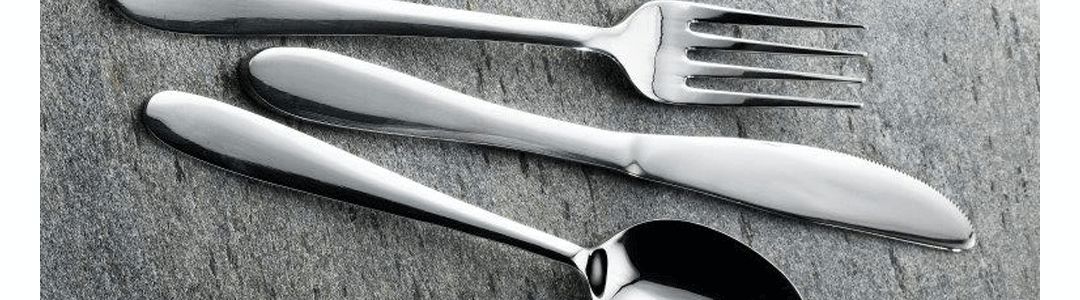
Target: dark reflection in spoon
[{"x": 696, "y": 260}]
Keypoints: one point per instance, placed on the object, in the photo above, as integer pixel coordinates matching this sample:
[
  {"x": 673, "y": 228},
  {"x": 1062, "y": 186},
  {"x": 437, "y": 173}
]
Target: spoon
[{"x": 664, "y": 259}]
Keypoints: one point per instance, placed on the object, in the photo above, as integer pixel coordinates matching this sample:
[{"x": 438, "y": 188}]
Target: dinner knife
[{"x": 808, "y": 183}]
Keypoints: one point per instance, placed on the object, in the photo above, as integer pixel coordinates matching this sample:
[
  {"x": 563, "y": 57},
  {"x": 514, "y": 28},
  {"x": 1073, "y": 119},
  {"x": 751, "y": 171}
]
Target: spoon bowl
[
  {"x": 669, "y": 259},
  {"x": 653, "y": 260}
]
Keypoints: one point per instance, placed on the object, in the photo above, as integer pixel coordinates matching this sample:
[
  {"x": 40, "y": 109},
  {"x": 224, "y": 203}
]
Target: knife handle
[
  {"x": 309, "y": 17},
  {"x": 329, "y": 88},
  {"x": 248, "y": 144}
]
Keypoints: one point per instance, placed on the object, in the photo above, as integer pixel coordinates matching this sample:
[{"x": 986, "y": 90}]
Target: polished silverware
[
  {"x": 652, "y": 260},
  {"x": 650, "y": 45},
  {"x": 814, "y": 184}
]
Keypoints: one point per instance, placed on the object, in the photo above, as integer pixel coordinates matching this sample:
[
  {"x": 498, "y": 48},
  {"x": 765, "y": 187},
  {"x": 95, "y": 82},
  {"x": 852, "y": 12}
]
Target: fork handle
[
  {"x": 360, "y": 17},
  {"x": 333, "y": 89}
]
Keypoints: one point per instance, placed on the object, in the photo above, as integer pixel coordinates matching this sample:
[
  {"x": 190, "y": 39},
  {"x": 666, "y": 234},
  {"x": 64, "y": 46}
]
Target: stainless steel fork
[{"x": 651, "y": 44}]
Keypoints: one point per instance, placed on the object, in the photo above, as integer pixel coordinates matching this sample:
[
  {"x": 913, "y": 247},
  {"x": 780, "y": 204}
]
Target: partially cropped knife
[{"x": 808, "y": 183}]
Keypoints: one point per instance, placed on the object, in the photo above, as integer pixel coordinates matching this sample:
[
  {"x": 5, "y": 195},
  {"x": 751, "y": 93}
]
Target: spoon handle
[
  {"x": 251, "y": 145},
  {"x": 367, "y": 17}
]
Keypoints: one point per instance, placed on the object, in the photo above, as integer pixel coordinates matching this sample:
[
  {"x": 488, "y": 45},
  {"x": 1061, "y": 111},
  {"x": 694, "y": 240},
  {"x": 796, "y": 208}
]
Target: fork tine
[
  {"x": 698, "y": 68},
  {"x": 710, "y": 13},
  {"x": 712, "y": 41},
  {"x": 715, "y": 97}
]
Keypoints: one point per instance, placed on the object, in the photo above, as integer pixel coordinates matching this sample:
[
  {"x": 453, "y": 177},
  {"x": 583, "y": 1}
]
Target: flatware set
[{"x": 660, "y": 259}]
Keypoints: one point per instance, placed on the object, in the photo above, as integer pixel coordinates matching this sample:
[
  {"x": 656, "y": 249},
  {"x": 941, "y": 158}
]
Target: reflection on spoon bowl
[{"x": 670, "y": 259}]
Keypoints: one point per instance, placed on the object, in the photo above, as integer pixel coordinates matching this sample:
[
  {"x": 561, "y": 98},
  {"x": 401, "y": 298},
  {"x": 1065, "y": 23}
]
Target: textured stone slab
[{"x": 952, "y": 99}]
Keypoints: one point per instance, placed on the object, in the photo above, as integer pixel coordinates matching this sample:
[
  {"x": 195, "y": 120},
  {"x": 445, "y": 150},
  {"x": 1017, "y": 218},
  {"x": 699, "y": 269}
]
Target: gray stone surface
[{"x": 952, "y": 98}]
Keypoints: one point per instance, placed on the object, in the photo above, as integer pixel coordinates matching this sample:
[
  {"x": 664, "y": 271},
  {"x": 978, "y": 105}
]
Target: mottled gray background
[{"x": 952, "y": 99}]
